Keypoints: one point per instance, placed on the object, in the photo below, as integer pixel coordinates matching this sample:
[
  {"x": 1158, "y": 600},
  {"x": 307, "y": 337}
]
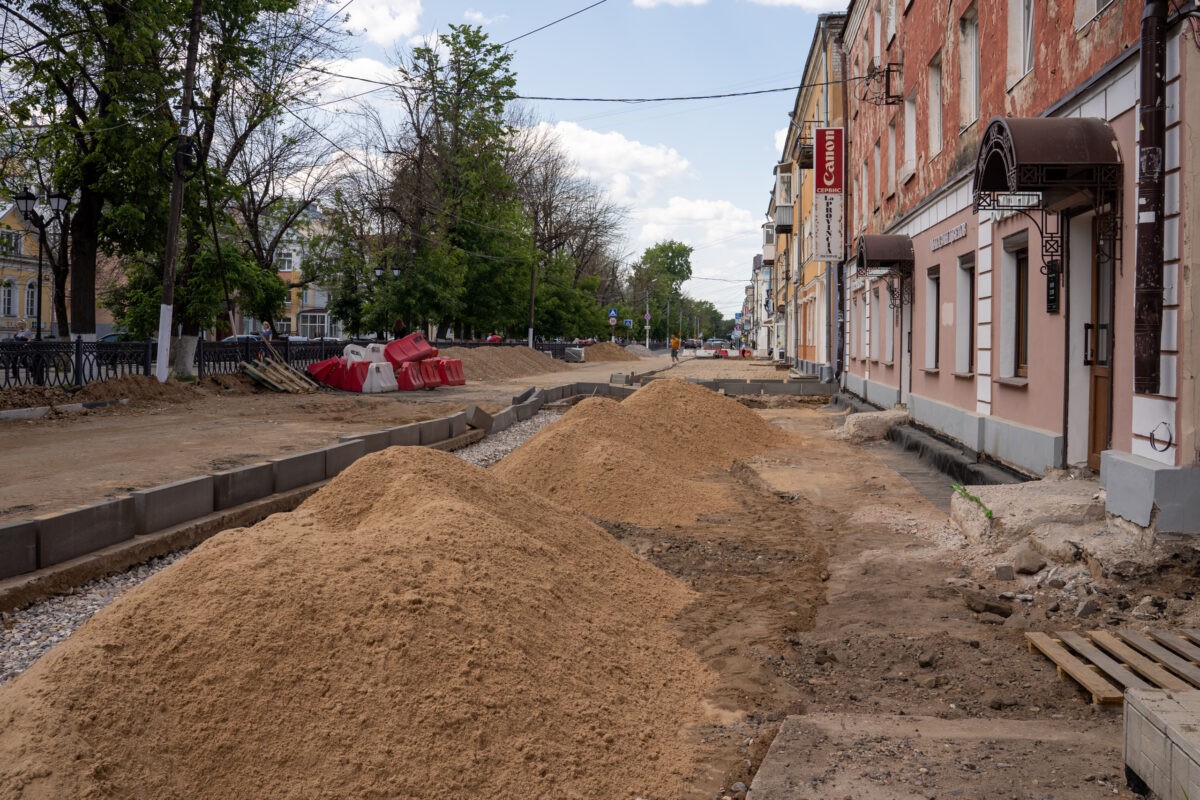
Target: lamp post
[{"x": 26, "y": 203}]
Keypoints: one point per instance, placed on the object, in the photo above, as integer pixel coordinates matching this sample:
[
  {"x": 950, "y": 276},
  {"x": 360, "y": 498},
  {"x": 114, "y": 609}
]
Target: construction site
[{"x": 620, "y": 579}]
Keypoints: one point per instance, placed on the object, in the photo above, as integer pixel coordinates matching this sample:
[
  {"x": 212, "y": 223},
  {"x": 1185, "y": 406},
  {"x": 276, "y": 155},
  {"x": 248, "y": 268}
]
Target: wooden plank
[
  {"x": 1180, "y": 645},
  {"x": 1118, "y": 674},
  {"x": 1192, "y": 634},
  {"x": 253, "y": 372},
  {"x": 1138, "y": 662},
  {"x": 1101, "y": 690},
  {"x": 1180, "y": 666}
]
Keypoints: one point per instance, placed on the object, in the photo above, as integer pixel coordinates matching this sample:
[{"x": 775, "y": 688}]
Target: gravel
[{"x": 26, "y": 634}]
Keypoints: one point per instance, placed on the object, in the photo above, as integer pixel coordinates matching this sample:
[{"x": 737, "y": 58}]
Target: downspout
[
  {"x": 838, "y": 321},
  {"x": 1148, "y": 284}
]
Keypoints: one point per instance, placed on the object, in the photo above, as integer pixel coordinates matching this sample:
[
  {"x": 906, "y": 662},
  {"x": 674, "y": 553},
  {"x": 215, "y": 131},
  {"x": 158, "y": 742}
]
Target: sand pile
[
  {"x": 501, "y": 363},
  {"x": 645, "y": 460},
  {"x": 137, "y": 388},
  {"x": 607, "y": 351},
  {"x": 417, "y": 628},
  {"x": 639, "y": 350}
]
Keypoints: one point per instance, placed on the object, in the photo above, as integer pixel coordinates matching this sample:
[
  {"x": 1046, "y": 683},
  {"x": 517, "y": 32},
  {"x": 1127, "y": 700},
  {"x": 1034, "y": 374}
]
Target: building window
[
  {"x": 10, "y": 243},
  {"x": 852, "y": 345},
  {"x": 968, "y": 66},
  {"x": 31, "y": 299},
  {"x": 6, "y": 299},
  {"x": 768, "y": 234},
  {"x": 964, "y": 316},
  {"x": 935, "y": 105},
  {"x": 283, "y": 326},
  {"x": 783, "y": 195},
  {"x": 933, "y": 303},
  {"x": 864, "y": 320},
  {"x": 864, "y": 202},
  {"x": 876, "y": 185},
  {"x": 1021, "y": 331},
  {"x": 891, "y": 20},
  {"x": 283, "y": 261},
  {"x": 1026, "y": 35},
  {"x": 910, "y": 135},
  {"x": 876, "y": 34},
  {"x": 891, "y": 158},
  {"x": 312, "y": 324}
]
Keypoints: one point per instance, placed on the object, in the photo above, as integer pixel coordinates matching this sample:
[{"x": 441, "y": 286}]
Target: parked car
[
  {"x": 718, "y": 347},
  {"x": 242, "y": 337},
  {"x": 692, "y": 344}
]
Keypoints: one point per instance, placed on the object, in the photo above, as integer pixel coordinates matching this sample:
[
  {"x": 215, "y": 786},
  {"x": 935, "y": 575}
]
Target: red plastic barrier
[
  {"x": 321, "y": 369},
  {"x": 413, "y": 347},
  {"x": 408, "y": 377},
  {"x": 433, "y": 352},
  {"x": 355, "y": 375},
  {"x": 451, "y": 371},
  {"x": 429, "y": 373}
]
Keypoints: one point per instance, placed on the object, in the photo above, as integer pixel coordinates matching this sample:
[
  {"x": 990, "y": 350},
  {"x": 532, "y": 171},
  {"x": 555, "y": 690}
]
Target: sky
[{"x": 699, "y": 171}]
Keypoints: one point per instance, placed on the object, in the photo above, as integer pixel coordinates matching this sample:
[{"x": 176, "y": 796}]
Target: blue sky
[{"x": 695, "y": 171}]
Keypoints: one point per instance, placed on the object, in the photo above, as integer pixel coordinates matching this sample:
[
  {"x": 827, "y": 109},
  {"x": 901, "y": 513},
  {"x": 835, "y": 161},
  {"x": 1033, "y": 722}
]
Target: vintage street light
[{"x": 26, "y": 204}]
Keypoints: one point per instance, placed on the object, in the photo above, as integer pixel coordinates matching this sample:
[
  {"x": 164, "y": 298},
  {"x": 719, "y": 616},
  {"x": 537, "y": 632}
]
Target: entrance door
[{"x": 1097, "y": 338}]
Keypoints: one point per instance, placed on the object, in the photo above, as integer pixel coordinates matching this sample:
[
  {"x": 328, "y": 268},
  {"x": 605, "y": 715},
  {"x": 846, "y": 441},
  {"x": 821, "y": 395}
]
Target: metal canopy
[
  {"x": 888, "y": 257},
  {"x": 1050, "y": 165}
]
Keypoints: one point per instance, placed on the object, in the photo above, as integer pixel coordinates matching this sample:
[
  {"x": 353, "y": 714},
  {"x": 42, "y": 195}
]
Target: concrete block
[
  {"x": 18, "y": 548},
  {"x": 405, "y": 435},
  {"x": 523, "y": 396},
  {"x": 1162, "y": 741},
  {"x": 340, "y": 456},
  {"x": 435, "y": 430},
  {"x": 554, "y": 393},
  {"x": 620, "y": 392},
  {"x": 478, "y": 418},
  {"x": 170, "y": 504},
  {"x": 742, "y": 388},
  {"x": 298, "y": 470},
  {"x": 525, "y": 411},
  {"x": 504, "y": 420},
  {"x": 458, "y": 424},
  {"x": 232, "y": 487},
  {"x": 589, "y": 389},
  {"x": 373, "y": 442},
  {"x": 70, "y": 534}
]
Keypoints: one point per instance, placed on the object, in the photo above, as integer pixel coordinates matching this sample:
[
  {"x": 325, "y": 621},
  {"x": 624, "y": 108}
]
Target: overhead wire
[{"x": 551, "y": 24}]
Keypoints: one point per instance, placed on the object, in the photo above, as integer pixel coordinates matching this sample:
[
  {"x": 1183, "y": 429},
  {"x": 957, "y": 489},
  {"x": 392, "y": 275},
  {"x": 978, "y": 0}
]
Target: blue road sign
[
  {"x": 612, "y": 313},
  {"x": 628, "y": 323}
]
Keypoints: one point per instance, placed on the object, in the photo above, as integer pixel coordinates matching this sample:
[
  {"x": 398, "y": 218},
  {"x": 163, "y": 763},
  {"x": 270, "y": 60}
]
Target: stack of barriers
[{"x": 405, "y": 365}]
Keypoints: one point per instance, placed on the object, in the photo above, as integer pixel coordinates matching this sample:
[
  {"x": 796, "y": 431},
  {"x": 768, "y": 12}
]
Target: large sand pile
[
  {"x": 416, "y": 629},
  {"x": 643, "y": 460},
  {"x": 607, "y": 351},
  {"x": 502, "y": 362}
]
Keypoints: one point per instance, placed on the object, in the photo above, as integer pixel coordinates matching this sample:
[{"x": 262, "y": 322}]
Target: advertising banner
[{"x": 830, "y": 198}]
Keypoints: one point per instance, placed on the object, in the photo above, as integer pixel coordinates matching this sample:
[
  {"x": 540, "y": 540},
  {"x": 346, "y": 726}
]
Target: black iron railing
[{"x": 65, "y": 363}]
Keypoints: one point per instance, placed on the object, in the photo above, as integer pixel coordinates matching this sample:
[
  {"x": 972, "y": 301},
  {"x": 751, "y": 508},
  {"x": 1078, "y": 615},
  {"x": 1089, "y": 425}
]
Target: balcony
[
  {"x": 768, "y": 254},
  {"x": 783, "y": 219}
]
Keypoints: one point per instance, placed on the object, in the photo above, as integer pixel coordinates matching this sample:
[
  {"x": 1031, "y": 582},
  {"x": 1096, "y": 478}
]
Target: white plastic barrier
[
  {"x": 355, "y": 352},
  {"x": 380, "y": 378},
  {"x": 375, "y": 353}
]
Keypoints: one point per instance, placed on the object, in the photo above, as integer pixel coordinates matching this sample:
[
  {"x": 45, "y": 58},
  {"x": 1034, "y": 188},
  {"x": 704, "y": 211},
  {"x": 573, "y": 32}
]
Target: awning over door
[
  {"x": 880, "y": 254},
  {"x": 1055, "y": 157}
]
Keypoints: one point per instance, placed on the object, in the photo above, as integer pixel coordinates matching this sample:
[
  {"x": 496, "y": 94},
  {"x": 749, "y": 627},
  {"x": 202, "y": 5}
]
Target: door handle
[{"x": 1088, "y": 329}]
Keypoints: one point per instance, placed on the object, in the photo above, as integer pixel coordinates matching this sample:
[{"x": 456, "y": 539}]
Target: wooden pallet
[
  {"x": 279, "y": 376},
  {"x": 1105, "y": 665}
]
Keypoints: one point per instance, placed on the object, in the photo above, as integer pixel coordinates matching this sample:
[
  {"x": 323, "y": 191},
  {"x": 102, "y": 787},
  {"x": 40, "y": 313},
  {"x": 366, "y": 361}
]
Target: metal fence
[{"x": 65, "y": 363}]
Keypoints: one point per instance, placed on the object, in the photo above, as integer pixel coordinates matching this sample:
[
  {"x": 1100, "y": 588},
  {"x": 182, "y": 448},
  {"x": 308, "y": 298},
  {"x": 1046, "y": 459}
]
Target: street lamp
[{"x": 26, "y": 203}]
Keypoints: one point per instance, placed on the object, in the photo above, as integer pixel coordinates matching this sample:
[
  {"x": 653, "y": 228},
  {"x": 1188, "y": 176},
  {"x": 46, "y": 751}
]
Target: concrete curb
[{"x": 38, "y": 412}]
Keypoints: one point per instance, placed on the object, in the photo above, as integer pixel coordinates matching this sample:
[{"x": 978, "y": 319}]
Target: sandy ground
[
  {"x": 57, "y": 463},
  {"x": 823, "y": 602}
]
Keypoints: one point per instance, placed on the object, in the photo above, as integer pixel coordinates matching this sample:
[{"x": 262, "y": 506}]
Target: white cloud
[
  {"x": 699, "y": 223},
  {"x": 385, "y": 21},
  {"x": 780, "y": 138},
  {"x": 629, "y": 169},
  {"x": 653, "y": 3},
  {"x": 479, "y": 18},
  {"x": 807, "y": 5},
  {"x": 357, "y": 68}
]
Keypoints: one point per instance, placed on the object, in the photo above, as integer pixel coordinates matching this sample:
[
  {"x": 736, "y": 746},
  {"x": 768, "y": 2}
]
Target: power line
[
  {"x": 677, "y": 98},
  {"x": 549, "y": 24}
]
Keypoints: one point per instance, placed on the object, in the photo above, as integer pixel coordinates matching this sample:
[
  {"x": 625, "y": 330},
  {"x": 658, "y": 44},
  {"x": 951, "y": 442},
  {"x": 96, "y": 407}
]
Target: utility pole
[
  {"x": 165, "y": 310},
  {"x": 647, "y": 319}
]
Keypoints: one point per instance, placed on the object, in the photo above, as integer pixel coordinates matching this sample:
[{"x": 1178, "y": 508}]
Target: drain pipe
[
  {"x": 1148, "y": 283},
  {"x": 838, "y": 320}
]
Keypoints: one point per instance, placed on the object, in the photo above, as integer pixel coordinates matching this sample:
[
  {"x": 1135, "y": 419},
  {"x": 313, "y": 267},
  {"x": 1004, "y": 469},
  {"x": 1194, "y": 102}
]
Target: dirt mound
[
  {"x": 639, "y": 350},
  {"x": 237, "y": 383},
  {"x": 501, "y": 363},
  {"x": 415, "y": 629},
  {"x": 607, "y": 351},
  {"x": 642, "y": 460},
  {"x": 137, "y": 388},
  {"x": 33, "y": 397}
]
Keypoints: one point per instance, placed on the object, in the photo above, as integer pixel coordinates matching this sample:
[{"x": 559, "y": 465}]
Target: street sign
[
  {"x": 647, "y": 316},
  {"x": 628, "y": 323},
  {"x": 612, "y": 320},
  {"x": 612, "y": 313}
]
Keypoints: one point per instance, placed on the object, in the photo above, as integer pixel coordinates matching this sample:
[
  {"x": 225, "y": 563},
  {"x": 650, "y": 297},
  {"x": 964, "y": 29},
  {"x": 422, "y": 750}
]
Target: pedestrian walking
[{"x": 674, "y": 349}]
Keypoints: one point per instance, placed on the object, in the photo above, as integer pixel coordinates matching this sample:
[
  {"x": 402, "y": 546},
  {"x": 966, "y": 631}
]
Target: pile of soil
[
  {"x": 607, "y": 351},
  {"x": 237, "y": 383},
  {"x": 645, "y": 460},
  {"x": 417, "y": 628},
  {"x": 137, "y": 388},
  {"x": 501, "y": 363},
  {"x": 33, "y": 397}
]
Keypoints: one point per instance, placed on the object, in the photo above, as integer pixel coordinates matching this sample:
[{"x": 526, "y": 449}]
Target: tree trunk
[
  {"x": 85, "y": 233},
  {"x": 184, "y": 354}
]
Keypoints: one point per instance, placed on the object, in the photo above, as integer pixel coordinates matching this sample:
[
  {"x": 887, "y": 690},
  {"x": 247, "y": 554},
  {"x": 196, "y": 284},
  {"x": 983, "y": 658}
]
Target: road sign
[
  {"x": 647, "y": 316},
  {"x": 628, "y": 323},
  {"x": 612, "y": 313},
  {"x": 612, "y": 320}
]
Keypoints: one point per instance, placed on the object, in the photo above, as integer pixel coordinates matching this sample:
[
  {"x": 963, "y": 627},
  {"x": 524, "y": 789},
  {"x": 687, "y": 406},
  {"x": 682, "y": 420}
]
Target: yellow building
[{"x": 18, "y": 277}]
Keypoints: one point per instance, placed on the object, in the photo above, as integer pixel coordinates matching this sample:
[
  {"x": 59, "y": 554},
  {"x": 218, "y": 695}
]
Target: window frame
[
  {"x": 933, "y": 304},
  {"x": 968, "y": 65},
  {"x": 936, "y": 101},
  {"x": 7, "y": 302}
]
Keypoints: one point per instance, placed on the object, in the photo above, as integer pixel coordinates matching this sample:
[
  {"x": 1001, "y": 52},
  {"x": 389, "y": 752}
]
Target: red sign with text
[{"x": 828, "y": 160}]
